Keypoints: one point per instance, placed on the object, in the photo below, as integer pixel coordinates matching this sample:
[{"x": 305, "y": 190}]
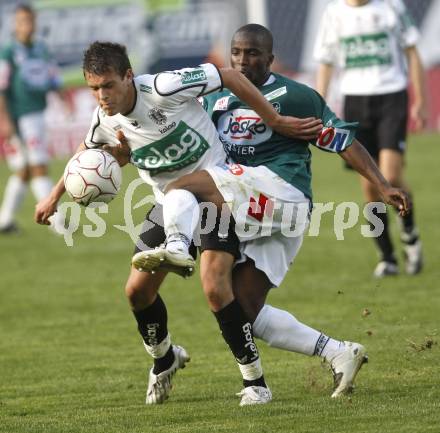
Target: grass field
[{"x": 71, "y": 359}]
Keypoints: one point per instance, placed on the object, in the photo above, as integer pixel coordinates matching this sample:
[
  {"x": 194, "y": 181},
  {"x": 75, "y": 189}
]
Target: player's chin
[{"x": 110, "y": 111}]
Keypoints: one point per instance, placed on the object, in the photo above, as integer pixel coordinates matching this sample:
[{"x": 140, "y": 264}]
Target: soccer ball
[{"x": 92, "y": 175}]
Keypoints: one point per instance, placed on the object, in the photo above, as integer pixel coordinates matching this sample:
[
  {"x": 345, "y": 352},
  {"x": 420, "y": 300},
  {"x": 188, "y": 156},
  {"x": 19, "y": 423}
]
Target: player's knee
[
  {"x": 140, "y": 293},
  {"x": 395, "y": 180},
  {"x": 24, "y": 174},
  {"x": 217, "y": 289}
]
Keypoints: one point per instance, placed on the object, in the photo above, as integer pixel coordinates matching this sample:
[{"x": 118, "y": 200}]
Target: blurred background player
[
  {"x": 374, "y": 42},
  {"x": 27, "y": 74}
]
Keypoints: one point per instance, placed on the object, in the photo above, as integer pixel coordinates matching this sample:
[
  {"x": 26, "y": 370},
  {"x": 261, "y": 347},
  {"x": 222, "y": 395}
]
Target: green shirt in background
[{"x": 27, "y": 74}]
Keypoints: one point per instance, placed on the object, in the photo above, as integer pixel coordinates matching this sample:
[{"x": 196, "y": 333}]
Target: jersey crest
[{"x": 158, "y": 116}]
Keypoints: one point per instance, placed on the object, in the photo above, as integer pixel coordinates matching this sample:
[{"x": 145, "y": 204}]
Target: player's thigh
[
  {"x": 216, "y": 277},
  {"x": 250, "y": 286},
  {"x": 201, "y": 184}
]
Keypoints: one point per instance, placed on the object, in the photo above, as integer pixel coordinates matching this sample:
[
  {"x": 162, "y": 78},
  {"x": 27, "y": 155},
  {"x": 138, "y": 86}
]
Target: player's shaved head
[{"x": 257, "y": 33}]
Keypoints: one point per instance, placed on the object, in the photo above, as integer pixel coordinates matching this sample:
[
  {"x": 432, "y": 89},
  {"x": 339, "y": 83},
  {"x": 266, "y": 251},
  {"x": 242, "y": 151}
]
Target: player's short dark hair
[
  {"x": 260, "y": 32},
  {"x": 103, "y": 57},
  {"x": 24, "y": 7}
]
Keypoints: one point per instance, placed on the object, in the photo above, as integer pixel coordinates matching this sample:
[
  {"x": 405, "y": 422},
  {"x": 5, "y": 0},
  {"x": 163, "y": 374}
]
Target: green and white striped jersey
[{"x": 368, "y": 43}]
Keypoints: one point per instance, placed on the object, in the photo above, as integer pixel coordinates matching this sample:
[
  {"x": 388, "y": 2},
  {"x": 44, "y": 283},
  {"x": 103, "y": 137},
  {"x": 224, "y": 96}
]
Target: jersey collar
[{"x": 270, "y": 80}]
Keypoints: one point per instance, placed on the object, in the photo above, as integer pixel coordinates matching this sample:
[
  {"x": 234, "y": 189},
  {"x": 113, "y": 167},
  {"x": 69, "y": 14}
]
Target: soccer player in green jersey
[
  {"x": 268, "y": 173},
  {"x": 27, "y": 74}
]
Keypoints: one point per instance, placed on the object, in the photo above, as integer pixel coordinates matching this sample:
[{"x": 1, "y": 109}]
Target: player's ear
[
  {"x": 270, "y": 60},
  {"x": 129, "y": 75}
]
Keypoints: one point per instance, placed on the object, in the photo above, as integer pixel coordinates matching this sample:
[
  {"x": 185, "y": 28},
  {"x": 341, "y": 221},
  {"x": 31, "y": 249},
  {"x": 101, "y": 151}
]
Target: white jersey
[
  {"x": 368, "y": 43},
  {"x": 168, "y": 131}
]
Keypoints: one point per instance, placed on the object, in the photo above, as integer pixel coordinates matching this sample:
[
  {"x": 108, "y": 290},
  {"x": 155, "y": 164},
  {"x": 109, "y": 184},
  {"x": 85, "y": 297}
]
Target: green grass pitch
[{"x": 71, "y": 359}]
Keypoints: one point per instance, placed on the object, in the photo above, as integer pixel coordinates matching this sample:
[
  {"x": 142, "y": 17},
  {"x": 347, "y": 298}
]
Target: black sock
[
  {"x": 237, "y": 332},
  {"x": 152, "y": 325},
  {"x": 383, "y": 241}
]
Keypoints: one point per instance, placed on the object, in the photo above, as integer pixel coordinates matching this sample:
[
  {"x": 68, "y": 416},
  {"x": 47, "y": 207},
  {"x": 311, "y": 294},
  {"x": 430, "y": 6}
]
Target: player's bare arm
[
  {"x": 7, "y": 128},
  {"x": 289, "y": 126},
  {"x": 418, "y": 109},
  {"x": 361, "y": 161},
  {"x": 48, "y": 206},
  {"x": 325, "y": 72}
]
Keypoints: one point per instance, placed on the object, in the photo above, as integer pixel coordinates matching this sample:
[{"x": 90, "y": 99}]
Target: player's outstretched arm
[
  {"x": 305, "y": 129},
  {"x": 45, "y": 208},
  {"x": 361, "y": 161}
]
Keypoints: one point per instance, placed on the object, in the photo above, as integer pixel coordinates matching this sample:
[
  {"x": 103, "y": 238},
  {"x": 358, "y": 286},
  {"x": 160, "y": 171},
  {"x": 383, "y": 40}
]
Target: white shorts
[
  {"x": 271, "y": 216},
  {"x": 272, "y": 255},
  {"x": 261, "y": 202},
  {"x": 29, "y": 147}
]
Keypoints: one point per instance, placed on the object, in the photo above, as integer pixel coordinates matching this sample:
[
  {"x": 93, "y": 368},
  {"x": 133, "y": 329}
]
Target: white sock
[
  {"x": 159, "y": 350},
  {"x": 15, "y": 191},
  {"x": 331, "y": 349},
  {"x": 251, "y": 371},
  {"x": 181, "y": 215},
  {"x": 41, "y": 187},
  {"x": 278, "y": 328}
]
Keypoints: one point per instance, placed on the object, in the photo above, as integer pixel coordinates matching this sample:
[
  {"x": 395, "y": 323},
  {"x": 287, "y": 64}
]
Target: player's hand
[
  {"x": 44, "y": 210},
  {"x": 397, "y": 198},
  {"x": 120, "y": 152},
  {"x": 418, "y": 116},
  {"x": 294, "y": 127}
]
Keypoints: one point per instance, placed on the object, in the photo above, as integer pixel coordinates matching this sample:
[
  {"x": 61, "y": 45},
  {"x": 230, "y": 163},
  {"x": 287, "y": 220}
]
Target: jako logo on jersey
[
  {"x": 333, "y": 139},
  {"x": 243, "y": 127},
  {"x": 194, "y": 76}
]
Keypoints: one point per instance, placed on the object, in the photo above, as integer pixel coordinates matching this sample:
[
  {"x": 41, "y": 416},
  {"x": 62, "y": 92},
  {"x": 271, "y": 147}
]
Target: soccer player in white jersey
[
  {"x": 27, "y": 74},
  {"x": 269, "y": 173},
  {"x": 374, "y": 44},
  {"x": 169, "y": 134}
]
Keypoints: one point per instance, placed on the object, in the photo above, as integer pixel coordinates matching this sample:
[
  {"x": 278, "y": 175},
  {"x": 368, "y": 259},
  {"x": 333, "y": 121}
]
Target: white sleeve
[
  {"x": 188, "y": 83},
  {"x": 327, "y": 40},
  {"x": 98, "y": 135},
  {"x": 407, "y": 31}
]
